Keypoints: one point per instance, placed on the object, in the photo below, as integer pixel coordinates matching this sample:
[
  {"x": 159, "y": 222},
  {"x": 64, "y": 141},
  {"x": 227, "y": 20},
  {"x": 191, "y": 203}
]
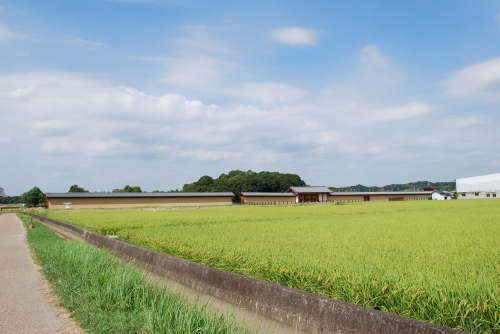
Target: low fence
[{"x": 306, "y": 311}]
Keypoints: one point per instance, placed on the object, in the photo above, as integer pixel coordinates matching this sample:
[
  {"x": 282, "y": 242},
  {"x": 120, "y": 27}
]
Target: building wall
[
  {"x": 91, "y": 203},
  {"x": 376, "y": 198},
  {"x": 351, "y": 198},
  {"x": 479, "y": 194},
  {"x": 439, "y": 197},
  {"x": 268, "y": 200}
]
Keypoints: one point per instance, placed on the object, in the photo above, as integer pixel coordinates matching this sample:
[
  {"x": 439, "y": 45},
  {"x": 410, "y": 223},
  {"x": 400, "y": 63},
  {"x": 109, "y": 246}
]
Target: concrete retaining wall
[{"x": 307, "y": 311}]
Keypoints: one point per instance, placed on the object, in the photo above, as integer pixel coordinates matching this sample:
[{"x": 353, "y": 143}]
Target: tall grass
[
  {"x": 106, "y": 295},
  {"x": 428, "y": 260}
]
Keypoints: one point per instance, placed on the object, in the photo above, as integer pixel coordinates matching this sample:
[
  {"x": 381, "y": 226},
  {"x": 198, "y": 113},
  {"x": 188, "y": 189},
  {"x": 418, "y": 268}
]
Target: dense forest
[
  {"x": 237, "y": 181},
  {"x": 412, "y": 186}
]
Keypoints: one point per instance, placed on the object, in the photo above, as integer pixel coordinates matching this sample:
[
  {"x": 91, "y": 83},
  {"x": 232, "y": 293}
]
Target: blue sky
[{"x": 159, "y": 93}]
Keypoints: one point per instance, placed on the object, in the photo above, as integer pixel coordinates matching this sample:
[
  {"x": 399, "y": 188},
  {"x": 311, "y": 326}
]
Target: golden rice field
[{"x": 436, "y": 261}]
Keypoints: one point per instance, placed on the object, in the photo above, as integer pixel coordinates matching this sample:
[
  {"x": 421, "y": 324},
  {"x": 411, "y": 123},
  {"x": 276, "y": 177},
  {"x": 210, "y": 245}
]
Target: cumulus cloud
[
  {"x": 79, "y": 125},
  {"x": 478, "y": 81},
  {"x": 67, "y": 113},
  {"x": 295, "y": 36}
]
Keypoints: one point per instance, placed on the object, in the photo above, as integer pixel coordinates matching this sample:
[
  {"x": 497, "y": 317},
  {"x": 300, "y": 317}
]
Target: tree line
[
  {"x": 412, "y": 186},
  {"x": 237, "y": 181}
]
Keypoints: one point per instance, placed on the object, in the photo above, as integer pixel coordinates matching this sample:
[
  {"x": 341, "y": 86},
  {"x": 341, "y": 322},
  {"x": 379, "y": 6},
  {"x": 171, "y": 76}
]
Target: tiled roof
[
  {"x": 136, "y": 195},
  {"x": 250, "y": 194},
  {"x": 307, "y": 190}
]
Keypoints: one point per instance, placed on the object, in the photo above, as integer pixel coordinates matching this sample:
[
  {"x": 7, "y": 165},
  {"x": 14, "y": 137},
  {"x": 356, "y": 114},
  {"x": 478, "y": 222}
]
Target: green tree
[
  {"x": 237, "y": 181},
  {"x": 204, "y": 184},
  {"x": 76, "y": 189},
  {"x": 34, "y": 197},
  {"x": 2, "y": 194},
  {"x": 128, "y": 189}
]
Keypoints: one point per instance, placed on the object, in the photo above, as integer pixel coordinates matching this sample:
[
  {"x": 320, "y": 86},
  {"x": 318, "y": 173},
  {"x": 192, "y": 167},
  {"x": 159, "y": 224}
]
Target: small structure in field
[
  {"x": 9, "y": 208},
  {"x": 442, "y": 195}
]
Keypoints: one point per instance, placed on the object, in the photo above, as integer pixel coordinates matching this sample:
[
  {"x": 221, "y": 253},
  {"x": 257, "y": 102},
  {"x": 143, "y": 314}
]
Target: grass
[
  {"x": 434, "y": 261},
  {"x": 106, "y": 295}
]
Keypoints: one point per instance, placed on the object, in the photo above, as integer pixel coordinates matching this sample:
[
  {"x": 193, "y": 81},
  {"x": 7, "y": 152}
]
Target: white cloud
[
  {"x": 201, "y": 38},
  {"x": 57, "y": 146},
  {"x": 269, "y": 93},
  {"x": 79, "y": 125},
  {"x": 83, "y": 42},
  {"x": 295, "y": 36},
  {"x": 208, "y": 155},
  {"x": 21, "y": 92},
  {"x": 411, "y": 110},
  {"x": 199, "y": 72},
  {"x": 6, "y": 33},
  {"x": 377, "y": 68},
  {"x": 478, "y": 81},
  {"x": 458, "y": 122},
  {"x": 100, "y": 119},
  {"x": 216, "y": 75}
]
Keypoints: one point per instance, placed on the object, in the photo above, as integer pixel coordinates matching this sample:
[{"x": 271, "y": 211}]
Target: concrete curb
[{"x": 307, "y": 311}]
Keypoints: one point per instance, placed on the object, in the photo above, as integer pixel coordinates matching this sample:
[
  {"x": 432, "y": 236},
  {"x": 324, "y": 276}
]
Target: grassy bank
[{"x": 105, "y": 295}]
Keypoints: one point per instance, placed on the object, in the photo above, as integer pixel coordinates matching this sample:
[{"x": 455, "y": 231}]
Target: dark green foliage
[
  {"x": 76, "y": 189},
  {"x": 2, "y": 194},
  {"x": 10, "y": 200},
  {"x": 237, "y": 181},
  {"x": 128, "y": 189},
  {"x": 34, "y": 197}
]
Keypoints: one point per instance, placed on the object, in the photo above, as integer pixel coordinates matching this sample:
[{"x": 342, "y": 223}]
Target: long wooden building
[
  {"x": 324, "y": 194},
  {"x": 378, "y": 196},
  {"x": 292, "y": 195},
  {"x": 129, "y": 200}
]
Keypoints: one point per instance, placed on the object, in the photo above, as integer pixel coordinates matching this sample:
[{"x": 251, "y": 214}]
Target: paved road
[{"x": 23, "y": 306}]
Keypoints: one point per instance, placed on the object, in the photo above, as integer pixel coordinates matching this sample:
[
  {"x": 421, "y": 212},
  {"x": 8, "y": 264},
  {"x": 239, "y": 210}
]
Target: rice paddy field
[{"x": 436, "y": 261}]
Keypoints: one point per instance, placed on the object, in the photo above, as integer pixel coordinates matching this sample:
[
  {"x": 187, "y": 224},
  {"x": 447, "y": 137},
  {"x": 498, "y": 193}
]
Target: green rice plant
[
  {"x": 106, "y": 295},
  {"x": 436, "y": 261}
]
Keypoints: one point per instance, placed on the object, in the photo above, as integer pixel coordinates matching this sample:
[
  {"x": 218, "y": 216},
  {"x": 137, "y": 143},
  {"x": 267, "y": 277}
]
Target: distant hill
[{"x": 412, "y": 186}]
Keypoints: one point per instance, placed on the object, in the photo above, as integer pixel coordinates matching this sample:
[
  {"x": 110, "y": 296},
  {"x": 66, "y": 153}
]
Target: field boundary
[{"x": 309, "y": 312}]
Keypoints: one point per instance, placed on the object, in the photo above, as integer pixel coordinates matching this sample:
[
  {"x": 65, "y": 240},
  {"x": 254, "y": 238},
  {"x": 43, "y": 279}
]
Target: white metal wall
[{"x": 490, "y": 182}]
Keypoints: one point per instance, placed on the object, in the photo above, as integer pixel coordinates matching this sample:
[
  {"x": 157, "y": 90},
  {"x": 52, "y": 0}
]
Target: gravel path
[{"x": 24, "y": 308}]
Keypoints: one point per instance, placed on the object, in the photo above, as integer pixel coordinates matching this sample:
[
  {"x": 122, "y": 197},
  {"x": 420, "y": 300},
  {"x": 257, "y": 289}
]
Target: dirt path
[{"x": 25, "y": 297}]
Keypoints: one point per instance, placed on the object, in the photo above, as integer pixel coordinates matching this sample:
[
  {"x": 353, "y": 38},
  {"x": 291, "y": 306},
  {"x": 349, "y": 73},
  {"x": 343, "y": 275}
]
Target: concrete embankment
[{"x": 305, "y": 311}]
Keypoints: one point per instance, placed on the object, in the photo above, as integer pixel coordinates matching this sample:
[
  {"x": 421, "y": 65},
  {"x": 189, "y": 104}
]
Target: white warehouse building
[{"x": 484, "y": 186}]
